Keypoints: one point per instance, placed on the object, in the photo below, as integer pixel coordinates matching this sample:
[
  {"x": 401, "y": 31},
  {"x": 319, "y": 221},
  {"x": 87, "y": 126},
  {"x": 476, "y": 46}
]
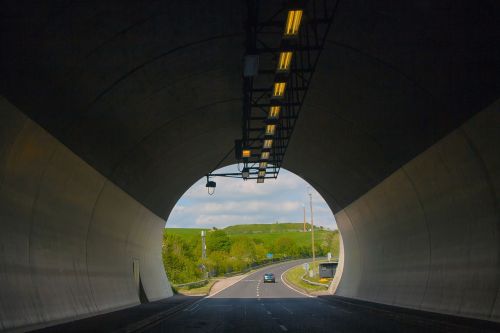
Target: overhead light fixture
[
  {"x": 270, "y": 129},
  {"x": 268, "y": 144},
  {"x": 246, "y": 153},
  {"x": 284, "y": 61},
  {"x": 260, "y": 180},
  {"x": 210, "y": 186},
  {"x": 279, "y": 89},
  {"x": 264, "y": 155},
  {"x": 293, "y": 22},
  {"x": 274, "y": 112},
  {"x": 263, "y": 165},
  {"x": 262, "y": 173},
  {"x": 245, "y": 173}
]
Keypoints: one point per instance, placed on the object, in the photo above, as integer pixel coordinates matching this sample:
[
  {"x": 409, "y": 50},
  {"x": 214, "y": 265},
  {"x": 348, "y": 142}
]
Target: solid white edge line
[
  {"x": 290, "y": 287},
  {"x": 244, "y": 276}
]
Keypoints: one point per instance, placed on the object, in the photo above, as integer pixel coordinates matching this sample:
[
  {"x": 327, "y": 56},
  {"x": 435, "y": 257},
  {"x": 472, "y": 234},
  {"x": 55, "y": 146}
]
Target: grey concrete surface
[
  {"x": 398, "y": 133},
  {"x": 427, "y": 237},
  {"x": 68, "y": 235},
  {"x": 252, "y": 306}
]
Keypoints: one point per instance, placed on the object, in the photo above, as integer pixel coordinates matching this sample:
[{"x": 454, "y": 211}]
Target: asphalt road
[{"x": 253, "y": 306}]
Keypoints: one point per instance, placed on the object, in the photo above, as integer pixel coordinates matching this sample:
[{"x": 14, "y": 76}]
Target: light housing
[
  {"x": 284, "y": 61},
  {"x": 263, "y": 165},
  {"x": 262, "y": 173},
  {"x": 268, "y": 143},
  {"x": 293, "y": 22},
  {"x": 274, "y": 111},
  {"x": 270, "y": 129},
  {"x": 279, "y": 89},
  {"x": 264, "y": 155},
  {"x": 246, "y": 153},
  {"x": 260, "y": 180},
  {"x": 245, "y": 173}
]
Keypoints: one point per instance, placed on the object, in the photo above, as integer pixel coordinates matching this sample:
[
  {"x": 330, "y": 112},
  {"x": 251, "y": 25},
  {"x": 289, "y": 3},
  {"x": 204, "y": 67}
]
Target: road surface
[{"x": 253, "y": 306}]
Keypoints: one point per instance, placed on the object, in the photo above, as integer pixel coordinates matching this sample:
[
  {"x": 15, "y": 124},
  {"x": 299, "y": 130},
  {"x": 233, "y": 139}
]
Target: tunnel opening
[{"x": 246, "y": 225}]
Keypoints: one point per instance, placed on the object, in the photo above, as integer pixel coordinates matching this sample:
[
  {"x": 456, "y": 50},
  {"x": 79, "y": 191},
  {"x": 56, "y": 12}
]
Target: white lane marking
[
  {"x": 283, "y": 328},
  {"x": 268, "y": 312},
  {"x": 339, "y": 309},
  {"x": 287, "y": 309},
  {"x": 192, "y": 307},
  {"x": 289, "y": 286},
  {"x": 242, "y": 277}
]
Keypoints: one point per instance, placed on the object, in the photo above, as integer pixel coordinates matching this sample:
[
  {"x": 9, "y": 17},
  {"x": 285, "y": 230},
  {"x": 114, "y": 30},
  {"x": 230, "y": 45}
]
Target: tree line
[{"x": 226, "y": 254}]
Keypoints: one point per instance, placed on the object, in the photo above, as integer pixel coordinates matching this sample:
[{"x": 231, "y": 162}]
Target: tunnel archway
[{"x": 399, "y": 136}]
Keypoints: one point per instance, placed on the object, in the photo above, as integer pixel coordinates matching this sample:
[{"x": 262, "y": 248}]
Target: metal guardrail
[
  {"x": 200, "y": 283},
  {"x": 313, "y": 283}
]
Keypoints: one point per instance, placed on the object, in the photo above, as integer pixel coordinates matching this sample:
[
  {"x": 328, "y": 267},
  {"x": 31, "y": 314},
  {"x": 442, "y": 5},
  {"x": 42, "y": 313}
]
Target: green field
[
  {"x": 239, "y": 247},
  {"x": 262, "y": 233}
]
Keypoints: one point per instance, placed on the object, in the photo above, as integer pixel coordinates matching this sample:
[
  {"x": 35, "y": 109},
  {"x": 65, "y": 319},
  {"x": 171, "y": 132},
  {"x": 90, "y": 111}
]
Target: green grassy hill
[
  {"x": 237, "y": 247},
  {"x": 266, "y": 228},
  {"x": 265, "y": 234}
]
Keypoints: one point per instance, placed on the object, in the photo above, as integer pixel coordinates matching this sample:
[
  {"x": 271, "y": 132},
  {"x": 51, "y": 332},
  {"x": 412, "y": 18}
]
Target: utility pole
[
  {"x": 304, "y": 206},
  {"x": 204, "y": 252},
  {"x": 312, "y": 229},
  {"x": 203, "y": 245}
]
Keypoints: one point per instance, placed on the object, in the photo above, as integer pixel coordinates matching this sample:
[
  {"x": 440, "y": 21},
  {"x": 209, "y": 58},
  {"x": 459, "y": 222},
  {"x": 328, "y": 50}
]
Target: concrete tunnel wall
[
  {"x": 68, "y": 236},
  {"x": 428, "y": 236},
  {"x": 150, "y": 96}
]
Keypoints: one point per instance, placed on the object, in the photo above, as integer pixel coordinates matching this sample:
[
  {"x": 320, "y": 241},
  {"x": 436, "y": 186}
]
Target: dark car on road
[{"x": 269, "y": 277}]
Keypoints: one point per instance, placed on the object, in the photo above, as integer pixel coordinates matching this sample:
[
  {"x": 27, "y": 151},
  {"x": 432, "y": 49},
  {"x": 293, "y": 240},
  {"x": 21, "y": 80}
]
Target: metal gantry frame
[{"x": 267, "y": 42}]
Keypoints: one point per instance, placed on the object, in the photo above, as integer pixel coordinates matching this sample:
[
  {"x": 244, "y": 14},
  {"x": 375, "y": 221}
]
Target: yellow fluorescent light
[
  {"x": 268, "y": 143},
  {"x": 262, "y": 165},
  {"x": 274, "y": 111},
  {"x": 262, "y": 173},
  {"x": 279, "y": 89},
  {"x": 264, "y": 155},
  {"x": 293, "y": 22},
  {"x": 270, "y": 129},
  {"x": 246, "y": 153},
  {"x": 284, "y": 61}
]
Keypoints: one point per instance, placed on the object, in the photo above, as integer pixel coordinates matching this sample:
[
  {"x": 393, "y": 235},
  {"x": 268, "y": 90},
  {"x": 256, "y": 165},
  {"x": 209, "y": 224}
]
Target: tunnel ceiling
[{"x": 150, "y": 93}]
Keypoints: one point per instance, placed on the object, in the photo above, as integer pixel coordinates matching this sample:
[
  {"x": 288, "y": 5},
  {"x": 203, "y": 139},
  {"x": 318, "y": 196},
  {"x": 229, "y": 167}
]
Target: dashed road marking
[
  {"x": 283, "y": 328},
  {"x": 268, "y": 312},
  {"x": 287, "y": 309}
]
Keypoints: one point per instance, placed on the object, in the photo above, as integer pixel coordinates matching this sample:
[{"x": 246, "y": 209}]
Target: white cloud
[{"x": 242, "y": 202}]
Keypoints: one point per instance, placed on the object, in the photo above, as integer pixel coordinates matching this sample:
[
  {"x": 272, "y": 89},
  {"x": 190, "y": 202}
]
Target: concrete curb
[{"x": 288, "y": 284}]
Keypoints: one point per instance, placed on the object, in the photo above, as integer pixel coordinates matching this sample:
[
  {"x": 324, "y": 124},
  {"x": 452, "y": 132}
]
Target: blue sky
[{"x": 243, "y": 202}]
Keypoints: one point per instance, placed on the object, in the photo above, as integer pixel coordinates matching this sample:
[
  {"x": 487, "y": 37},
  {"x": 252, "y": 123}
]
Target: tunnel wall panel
[
  {"x": 65, "y": 230},
  {"x": 428, "y": 236}
]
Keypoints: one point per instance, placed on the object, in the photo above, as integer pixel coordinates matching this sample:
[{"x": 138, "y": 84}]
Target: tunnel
[{"x": 110, "y": 110}]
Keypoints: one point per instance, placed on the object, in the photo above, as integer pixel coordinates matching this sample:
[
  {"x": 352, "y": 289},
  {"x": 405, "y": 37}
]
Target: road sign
[
  {"x": 306, "y": 266},
  {"x": 329, "y": 256},
  {"x": 269, "y": 256}
]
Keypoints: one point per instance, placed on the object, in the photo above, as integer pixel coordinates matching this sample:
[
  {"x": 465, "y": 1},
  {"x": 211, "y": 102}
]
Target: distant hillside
[
  {"x": 266, "y": 228},
  {"x": 261, "y": 233},
  {"x": 237, "y": 247}
]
